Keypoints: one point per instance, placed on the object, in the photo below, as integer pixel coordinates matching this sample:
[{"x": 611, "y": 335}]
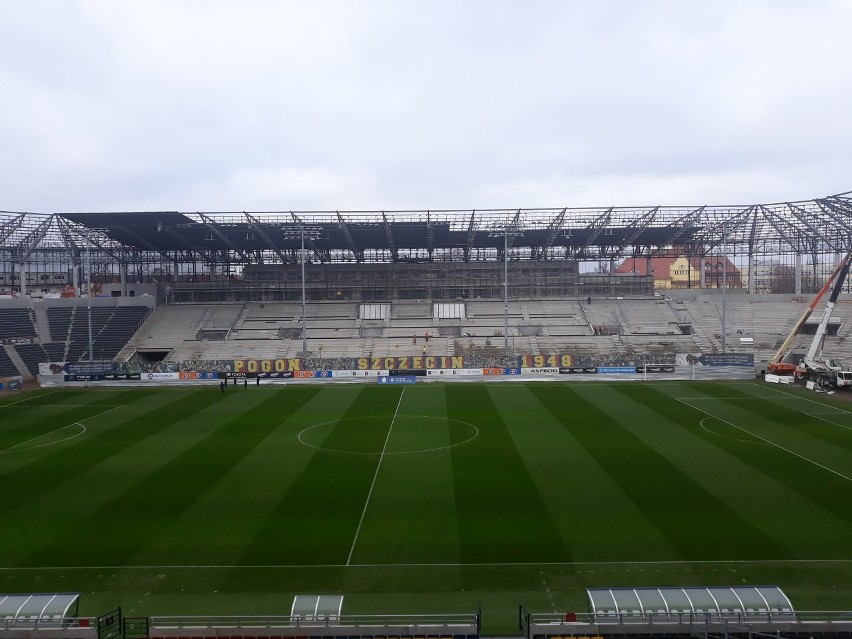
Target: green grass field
[{"x": 425, "y": 498}]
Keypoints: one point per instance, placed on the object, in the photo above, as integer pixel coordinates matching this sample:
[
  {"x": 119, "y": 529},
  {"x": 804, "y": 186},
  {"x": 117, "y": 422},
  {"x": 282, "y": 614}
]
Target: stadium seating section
[
  {"x": 16, "y": 323},
  {"x": 689, "y": 322}
]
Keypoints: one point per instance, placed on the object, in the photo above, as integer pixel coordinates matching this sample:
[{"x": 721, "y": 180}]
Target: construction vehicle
[{"x": 824, "y": 373}]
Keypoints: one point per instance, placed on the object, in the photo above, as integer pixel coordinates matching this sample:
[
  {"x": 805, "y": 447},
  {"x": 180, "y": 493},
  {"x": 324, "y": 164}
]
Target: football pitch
[{"x": 423, "y": 498}]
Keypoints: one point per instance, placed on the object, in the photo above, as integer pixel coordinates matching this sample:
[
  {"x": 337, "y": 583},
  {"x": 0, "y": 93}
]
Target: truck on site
[{"x": 824, "y": 372}]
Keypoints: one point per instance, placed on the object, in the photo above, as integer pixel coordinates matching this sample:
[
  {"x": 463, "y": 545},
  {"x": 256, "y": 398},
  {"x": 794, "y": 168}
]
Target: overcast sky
[{"x": 314, "y": 105}]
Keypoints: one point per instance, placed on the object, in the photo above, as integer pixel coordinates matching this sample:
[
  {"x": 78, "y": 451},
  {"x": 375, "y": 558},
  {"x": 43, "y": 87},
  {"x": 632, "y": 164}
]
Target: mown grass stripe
[
  {"x": 47, "y": 397},
  {"x": 59, "y": 465},
  {"x": 792, "y": 415},
  {"x": 412, "y": 513},
  {"x": 221, "y": 523},
  {"x": 698, "y": 444},
  {"x": 831, "y": 492},
  {"x": 501, "y": 513},
  {"x": 316, "y": 518},
  {"x": 589, "y": 508},
  {"x": 17, "y": 428},
  {"x": 133, "y": 519},
  {"x": 696, "y": 522}
]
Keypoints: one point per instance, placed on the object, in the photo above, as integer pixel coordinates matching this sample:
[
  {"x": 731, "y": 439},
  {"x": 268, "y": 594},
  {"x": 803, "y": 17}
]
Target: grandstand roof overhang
[{"x": 820, "y": 225}]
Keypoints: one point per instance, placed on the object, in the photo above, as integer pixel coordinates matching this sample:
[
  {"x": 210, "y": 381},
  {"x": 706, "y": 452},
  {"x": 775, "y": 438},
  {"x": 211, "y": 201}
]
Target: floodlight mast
[
  {"x": 89, "y": 294},
  {"x": 506, "y": 292},
  {"x": 300, "y": 232},
  {"x": 304, "y": 314},
  {"x": 505, "y": 233},
  {"x": 724, "y": 287}
]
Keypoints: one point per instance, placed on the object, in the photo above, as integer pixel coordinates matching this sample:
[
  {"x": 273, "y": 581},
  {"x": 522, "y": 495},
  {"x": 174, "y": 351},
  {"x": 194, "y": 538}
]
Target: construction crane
[{"x": 825, "y": 373}]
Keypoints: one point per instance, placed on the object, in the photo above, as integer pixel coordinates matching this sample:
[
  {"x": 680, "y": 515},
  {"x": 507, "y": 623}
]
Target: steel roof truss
[
  {"x": 639, "y": 225},
  {"x": 471, "y": 235},
  {"x": 389, "y": 235},
  {"x": 341, "y": 224},
  {"x": 30, "y": 241},
  {"x": 554, "y": 227},
  {"x": 256, "y": 226},
  {"x": 597, "y": 227},
  {"x": 773, "y": 221},
  {"x": 213, "y": 225},
  {"x": 802, "y": 216},
  {"x": 11, "y": 226},
  {"x": 430, "y": 235}
]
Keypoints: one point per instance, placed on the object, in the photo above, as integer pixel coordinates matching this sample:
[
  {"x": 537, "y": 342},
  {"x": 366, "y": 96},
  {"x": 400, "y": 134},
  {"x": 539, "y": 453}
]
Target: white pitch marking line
[
  {"x": 28, "y": 399},
  {"x": 14, "y": 446},
  {"x": 806, "y": 399},
  {"x": 834, "y": 409},
  {"x": 375, "y": 475},
  {"x": 78, "y": 423},
  {"x": 771, "y": 443},
  {"x": 672, "y": 562}
]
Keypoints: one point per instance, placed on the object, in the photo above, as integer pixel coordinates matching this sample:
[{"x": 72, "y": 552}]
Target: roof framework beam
[
  {"x": 778, "y": 223},
  {"x": 256, "y": 226},
  {"x": 803, "y": 217},
  {"x": 389, "y": 237},
  {"x": 341, "y": 224},
  {"x": 471, "y": 235},
  {"x": 143, "y": 242},
  {"x": 597, "y": 226},
  {"x": 554, "y": 227},
  {"x": 213, "y": 226},
  {"x": 310, "y": 233},
  {"x": 638, "y": 226},
  {"x": 8, "y": 228},
  {"x": 31, "y": 240},
  {"x": 430, "y": 235}
]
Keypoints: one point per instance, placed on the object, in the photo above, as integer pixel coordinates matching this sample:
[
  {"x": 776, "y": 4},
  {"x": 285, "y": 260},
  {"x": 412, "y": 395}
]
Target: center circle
[{"x": 425, "y": 434}]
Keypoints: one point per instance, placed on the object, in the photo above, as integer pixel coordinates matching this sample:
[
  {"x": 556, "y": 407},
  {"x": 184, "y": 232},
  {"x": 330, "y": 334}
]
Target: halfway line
[{"x": 378, "y": 466}]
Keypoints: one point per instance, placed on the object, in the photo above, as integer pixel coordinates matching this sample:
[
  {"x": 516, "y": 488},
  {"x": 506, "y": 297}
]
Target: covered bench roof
[
  {"x": 734, "y": 600},
  {"x": 42, "y": 607}
]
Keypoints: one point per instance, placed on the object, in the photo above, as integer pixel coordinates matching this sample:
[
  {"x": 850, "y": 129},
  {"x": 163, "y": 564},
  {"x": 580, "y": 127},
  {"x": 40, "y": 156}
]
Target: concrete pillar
[
  {"x": 702, "y": 272},
  {"x": 798, "y": 274},
  {"x": 75, "y": 278},
  {"x": 23, "y": 275},
  {"x": 122, "y": 274}
]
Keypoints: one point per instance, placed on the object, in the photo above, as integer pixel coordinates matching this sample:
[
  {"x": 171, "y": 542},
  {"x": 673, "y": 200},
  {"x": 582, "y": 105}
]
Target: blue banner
[
  {"x": 616, "y": 369},
  {"x": 400, "y": 379},
  {"x": 91, "y": 368},
  {"x": 726, "y": 359},
  {"x": 511, "y": 371}
]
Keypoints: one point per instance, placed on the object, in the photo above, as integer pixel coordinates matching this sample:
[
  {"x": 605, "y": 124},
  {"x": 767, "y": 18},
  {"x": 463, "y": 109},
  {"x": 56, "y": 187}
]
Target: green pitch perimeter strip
[{"x": 425, "y": 498}]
